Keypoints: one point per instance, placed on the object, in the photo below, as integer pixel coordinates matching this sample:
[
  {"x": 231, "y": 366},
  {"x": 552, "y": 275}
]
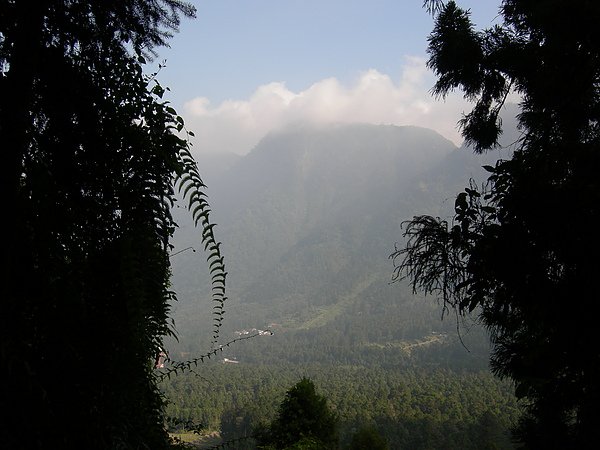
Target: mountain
[{"x": 308, "y": 219}]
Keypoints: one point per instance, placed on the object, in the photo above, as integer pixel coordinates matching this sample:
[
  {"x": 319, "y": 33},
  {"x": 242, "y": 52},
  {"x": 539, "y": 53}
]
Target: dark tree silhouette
[
  {"x": 523, "y": 251},
  {"x": 304, "y": 421},
  {"x": 90, "y": 161}
]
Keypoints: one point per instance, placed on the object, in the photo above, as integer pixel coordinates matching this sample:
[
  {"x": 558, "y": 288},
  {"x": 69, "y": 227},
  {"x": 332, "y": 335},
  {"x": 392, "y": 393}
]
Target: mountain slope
[{"x": 308, "y": 219}]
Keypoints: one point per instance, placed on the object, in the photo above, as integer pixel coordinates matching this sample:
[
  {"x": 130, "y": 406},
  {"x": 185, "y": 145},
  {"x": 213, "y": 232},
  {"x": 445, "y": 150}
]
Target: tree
[
  {"x": 367, "y": 438},
  {"x": 521, "y": 252},
  {"x": 304, "y": 421},
  {"x": 91, "y": 156}
]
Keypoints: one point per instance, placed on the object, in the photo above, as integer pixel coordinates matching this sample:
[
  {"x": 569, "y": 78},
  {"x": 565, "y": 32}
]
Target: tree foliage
[
  {"x": 91, "y": 158},
  {"x": 367, "y": 438},
  {"x": 411, "y": 407},
  {"x": 304, "y": 421},
  {"x": 522, "y": 250}
]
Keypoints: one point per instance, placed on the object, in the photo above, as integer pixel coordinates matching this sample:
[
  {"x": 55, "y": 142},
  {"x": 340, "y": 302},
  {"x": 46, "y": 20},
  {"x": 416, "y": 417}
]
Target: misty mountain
[{"x": 308, "y": 219}]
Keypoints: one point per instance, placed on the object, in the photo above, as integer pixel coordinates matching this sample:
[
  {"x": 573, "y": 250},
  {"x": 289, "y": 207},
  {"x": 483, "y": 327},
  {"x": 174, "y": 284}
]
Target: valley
[{"x": 307, "y": 221}]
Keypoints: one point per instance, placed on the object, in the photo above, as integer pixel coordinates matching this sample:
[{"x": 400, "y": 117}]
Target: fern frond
[{"x": 192, "y": 187}]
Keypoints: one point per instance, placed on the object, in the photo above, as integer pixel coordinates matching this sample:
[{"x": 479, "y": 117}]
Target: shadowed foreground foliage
[
  {"x": 522, "y": 250},
  {"x": 90, "y": 159}
]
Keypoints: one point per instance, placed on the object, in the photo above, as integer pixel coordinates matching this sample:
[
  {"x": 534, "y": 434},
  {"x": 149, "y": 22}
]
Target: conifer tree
[
  {"x": 304, "y": 421},
  {"x": 522, "y": 252}
]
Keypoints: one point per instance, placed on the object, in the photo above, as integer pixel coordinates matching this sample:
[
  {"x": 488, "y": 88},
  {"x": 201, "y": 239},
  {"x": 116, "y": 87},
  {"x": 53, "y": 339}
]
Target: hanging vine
[{"x": 191, "y": 186}]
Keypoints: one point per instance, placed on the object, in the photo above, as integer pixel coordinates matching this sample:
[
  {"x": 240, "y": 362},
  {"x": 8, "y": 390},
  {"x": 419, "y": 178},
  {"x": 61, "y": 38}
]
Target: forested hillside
[
  {"x": 411, "y": 407},
  {"x": 127, "y": 322},
  {"x": 308, "y": 219}
]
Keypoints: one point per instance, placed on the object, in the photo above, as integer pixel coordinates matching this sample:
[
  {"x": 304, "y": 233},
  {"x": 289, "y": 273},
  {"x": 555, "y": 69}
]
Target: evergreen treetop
[{"x": 521, "y": 252}]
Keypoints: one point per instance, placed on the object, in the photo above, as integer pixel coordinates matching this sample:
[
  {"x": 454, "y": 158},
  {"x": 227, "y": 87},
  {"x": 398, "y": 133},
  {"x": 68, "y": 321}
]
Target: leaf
[
  {"x": 158, "y": 91},
  {"x": 461, "y": 201}
]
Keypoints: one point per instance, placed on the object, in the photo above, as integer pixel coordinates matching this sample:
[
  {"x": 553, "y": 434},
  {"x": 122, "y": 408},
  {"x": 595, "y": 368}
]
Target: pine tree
[
  {"x": 304, "y": 420},
  {"x": 521, "y": 252}
]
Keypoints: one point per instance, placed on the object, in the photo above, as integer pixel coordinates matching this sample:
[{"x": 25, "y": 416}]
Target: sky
[{"x": 243, "y": 68}]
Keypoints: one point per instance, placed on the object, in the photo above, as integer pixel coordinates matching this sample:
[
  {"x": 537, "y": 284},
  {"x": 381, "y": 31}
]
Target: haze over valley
[
  {"x": 308, "y": 219},
  {"x": 300, "y": 225}
]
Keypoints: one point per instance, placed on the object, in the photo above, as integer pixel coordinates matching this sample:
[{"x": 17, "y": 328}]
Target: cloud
[{"x": 237, "y": 125}]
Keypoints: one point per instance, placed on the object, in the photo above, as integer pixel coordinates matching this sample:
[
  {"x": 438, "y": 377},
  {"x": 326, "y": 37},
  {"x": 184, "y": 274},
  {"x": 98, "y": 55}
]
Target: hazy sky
[{"x": 244, "y": 67}]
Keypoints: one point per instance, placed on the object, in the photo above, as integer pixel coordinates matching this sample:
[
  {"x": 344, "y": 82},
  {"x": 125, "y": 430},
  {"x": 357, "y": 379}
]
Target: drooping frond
[
  {"x": 430, "y": 260},
  {"x": 192, "y": 187}
]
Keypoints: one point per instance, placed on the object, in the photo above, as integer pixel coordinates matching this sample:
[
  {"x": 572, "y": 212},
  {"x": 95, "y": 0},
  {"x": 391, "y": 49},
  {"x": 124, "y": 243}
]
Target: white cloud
[{"x": 237, "y": 125}]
